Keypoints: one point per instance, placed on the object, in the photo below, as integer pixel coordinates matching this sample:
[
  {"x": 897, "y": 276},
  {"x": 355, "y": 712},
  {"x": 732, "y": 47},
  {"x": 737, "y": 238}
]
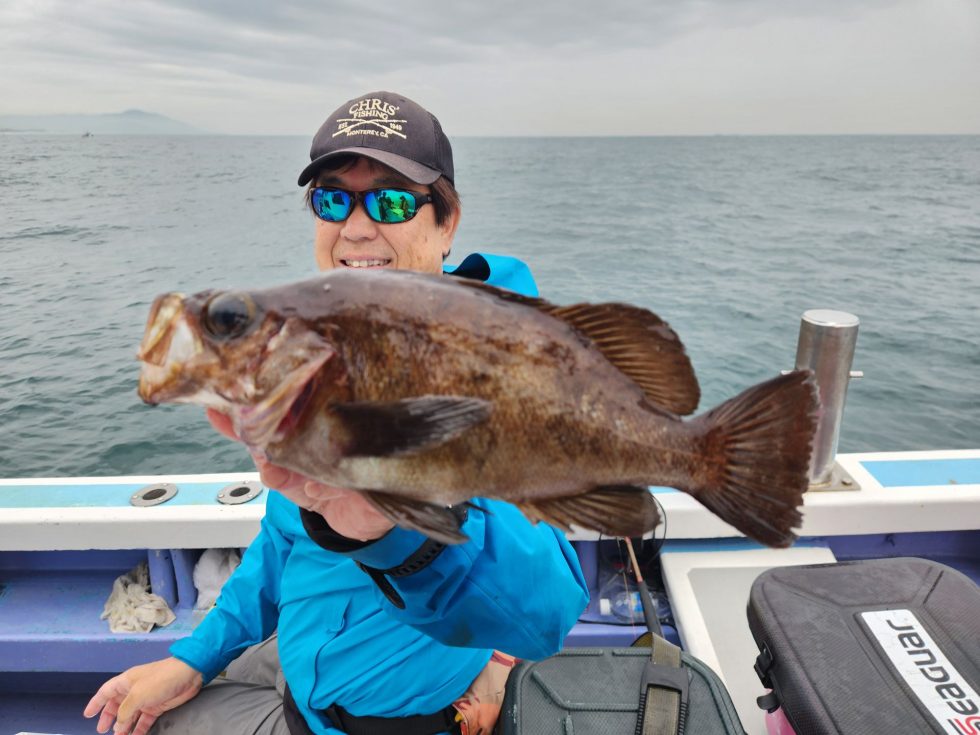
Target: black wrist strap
[{"x": 422, "y": 557}]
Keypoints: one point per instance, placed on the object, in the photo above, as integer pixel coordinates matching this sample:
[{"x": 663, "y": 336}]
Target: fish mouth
[
  {"x": 365, "y": 262},
  {"x": 161, "y": 324},
  {"x": 170, "y": 343}
]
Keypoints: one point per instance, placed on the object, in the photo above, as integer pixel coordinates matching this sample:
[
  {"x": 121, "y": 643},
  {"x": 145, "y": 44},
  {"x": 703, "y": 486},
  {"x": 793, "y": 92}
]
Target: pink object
[{"x": 777, "y": 724}]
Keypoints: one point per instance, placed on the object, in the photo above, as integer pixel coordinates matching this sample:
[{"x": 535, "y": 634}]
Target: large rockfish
[{"x": 422, "y": 391}]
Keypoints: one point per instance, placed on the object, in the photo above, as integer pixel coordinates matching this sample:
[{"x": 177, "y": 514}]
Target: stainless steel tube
[{"x": 826, "y": 346}]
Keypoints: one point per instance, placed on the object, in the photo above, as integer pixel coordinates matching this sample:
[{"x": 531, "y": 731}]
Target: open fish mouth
[
  {"x": 157, "y": 343},
  {"x": 169, "y": 345}
]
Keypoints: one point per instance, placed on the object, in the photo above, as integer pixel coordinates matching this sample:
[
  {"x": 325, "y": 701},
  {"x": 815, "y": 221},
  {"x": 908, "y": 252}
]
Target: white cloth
[
  {"x": 132, "y": 608},
  {"x": 210, "y": 574}
]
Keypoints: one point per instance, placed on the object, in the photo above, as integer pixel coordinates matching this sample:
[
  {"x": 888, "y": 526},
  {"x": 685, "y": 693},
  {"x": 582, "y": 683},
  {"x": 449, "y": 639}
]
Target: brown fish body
[{"x": 425, "y": 391}]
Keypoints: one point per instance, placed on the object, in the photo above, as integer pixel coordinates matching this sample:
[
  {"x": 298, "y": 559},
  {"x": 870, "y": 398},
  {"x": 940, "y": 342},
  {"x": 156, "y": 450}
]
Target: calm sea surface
[{"x": 730, "y": 239}]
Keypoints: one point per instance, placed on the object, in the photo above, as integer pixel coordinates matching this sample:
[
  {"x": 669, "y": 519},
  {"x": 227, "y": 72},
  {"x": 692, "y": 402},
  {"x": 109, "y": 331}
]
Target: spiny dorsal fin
[
  {"x": 614, "y": 510},
  {"x": 637, "y": 342}
]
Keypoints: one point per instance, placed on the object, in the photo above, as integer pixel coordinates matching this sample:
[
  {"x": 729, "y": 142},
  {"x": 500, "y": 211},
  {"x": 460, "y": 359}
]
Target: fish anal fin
[
  {"x": 613, "y": 510},
  {"x": 387, "y": 428},
  {"x": 435, "y": 521}
]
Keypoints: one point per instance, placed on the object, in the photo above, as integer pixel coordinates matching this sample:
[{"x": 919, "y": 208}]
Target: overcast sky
[{"x": 506, "y": 67}]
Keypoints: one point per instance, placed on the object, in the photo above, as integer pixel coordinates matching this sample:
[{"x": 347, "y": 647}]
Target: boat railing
[{"x": 826, "y": 347}]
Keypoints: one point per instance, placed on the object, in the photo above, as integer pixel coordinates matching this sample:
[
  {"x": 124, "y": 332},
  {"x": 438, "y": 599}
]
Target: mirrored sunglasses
[{"x": 388, "y": 206}]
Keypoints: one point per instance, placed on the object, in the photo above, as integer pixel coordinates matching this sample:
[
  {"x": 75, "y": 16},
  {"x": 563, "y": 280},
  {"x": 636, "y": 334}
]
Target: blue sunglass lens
[
  {"x": 332, "y": 205},
  {"x": 390, "y": 205}
]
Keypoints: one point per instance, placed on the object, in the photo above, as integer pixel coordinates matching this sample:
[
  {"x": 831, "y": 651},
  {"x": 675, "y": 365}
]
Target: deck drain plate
[
  {"x": 161, "y": 492},
  {"x": 239, "y": 492}
]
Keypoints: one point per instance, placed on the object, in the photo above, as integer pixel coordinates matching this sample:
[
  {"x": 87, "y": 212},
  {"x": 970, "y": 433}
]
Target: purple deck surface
[
  {"x": 50, "y": 621},
  {"x": 45, "y": 713}
]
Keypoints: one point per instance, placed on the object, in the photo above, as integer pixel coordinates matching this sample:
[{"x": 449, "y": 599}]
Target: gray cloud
[
  {"x": 256, "y": 66},
  {"x": 284, "y": 41}
]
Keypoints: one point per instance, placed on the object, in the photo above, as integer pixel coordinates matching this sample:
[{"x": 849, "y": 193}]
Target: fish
[{"x": 423, "y": 391}]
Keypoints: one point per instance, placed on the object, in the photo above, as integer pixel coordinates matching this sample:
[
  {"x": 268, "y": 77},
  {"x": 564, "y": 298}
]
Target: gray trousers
[{"x": 246, "y": 700}]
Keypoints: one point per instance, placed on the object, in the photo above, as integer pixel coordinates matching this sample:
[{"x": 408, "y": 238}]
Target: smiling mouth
[{"x": 365, "y": 262}]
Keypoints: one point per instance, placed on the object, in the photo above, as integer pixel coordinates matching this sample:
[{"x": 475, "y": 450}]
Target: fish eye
[{"x": 229, "y": 315}]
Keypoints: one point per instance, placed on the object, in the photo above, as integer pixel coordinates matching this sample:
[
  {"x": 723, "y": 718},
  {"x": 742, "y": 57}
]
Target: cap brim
[{"x": 413, "y": 170}]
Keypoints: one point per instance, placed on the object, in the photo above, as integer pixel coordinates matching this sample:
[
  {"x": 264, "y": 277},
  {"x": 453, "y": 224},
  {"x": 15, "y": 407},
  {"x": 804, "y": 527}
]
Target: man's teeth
[{"x": 365, "y": 263}]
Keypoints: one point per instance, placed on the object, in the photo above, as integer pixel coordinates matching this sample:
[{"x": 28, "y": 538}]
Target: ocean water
[{"x": 730, "y": 239}]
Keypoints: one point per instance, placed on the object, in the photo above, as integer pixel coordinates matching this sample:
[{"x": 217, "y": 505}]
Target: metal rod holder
[{"x": 826, "y": 346}]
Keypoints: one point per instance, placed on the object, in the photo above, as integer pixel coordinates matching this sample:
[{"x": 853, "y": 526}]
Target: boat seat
[{"x": 708, "y": 584}]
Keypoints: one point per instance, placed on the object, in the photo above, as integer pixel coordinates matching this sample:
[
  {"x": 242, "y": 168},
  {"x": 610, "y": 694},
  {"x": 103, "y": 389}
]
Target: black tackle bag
[
  {"x": 874, "y": 647},
  {"x": 606, "y": 691}
]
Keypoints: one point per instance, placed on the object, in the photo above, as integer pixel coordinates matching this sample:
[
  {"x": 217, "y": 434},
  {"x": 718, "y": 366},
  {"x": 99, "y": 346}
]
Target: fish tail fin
[{"x": 757, "y": 447}]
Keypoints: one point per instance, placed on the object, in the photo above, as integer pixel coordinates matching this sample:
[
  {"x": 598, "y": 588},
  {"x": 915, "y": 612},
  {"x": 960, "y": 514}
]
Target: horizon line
[{"x": 206, "y": 134}]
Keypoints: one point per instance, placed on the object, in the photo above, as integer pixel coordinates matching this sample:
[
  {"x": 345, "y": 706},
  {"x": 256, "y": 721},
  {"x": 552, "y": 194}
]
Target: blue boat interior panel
[
  {"x": 924, "y": 472},
  {"x": 106, "y": 495}
]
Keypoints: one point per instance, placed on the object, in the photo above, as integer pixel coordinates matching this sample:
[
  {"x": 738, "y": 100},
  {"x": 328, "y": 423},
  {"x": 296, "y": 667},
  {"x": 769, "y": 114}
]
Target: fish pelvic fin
[
  {"x": 757, "y": 446},
  {"x": 435, "y": 521},
  {"x": 613, "y": 510},
  {"x": 387, "y": 428}
]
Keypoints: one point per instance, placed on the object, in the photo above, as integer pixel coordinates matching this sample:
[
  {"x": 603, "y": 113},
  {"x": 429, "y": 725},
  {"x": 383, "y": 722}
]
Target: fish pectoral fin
[
  {"x": 383, "y": 429},
  {"x": 613, "y": 510},
  {"x": 435, "y": 521}
]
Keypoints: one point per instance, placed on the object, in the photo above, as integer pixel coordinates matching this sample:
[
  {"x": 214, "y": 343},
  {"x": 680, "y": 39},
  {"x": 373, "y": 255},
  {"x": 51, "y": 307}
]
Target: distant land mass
[{"x": 130, "y": 122}]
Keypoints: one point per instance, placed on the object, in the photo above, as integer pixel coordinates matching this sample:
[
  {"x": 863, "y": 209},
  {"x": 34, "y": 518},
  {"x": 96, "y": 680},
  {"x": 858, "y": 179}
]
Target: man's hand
[
  {"x": 138, "y": 696},
  {"x": 348, "y": 512}
]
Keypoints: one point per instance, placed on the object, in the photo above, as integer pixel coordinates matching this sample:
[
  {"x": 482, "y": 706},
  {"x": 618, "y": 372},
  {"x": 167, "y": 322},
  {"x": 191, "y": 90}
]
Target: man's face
[{"x": 358, "y": 242}]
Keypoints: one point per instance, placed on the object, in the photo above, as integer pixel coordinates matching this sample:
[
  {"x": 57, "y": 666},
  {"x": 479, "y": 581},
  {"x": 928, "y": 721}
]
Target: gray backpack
[{"x": 618, "y": 691}]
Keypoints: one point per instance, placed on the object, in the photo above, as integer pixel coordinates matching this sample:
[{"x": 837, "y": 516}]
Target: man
[{"x": 379, "y": 630}]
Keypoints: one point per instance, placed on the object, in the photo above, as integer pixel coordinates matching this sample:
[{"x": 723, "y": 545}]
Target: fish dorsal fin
[
  {"x": 637, "y": 342},
  {"x": 614, "y": 510},
  {"x": 643, "y": 347}
]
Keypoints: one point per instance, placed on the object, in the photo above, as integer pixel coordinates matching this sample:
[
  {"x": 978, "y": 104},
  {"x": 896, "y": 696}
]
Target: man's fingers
[
  {"x": 272, "y": 476},
  {"x": 107, "y": 691},
  {"x": 95, "y": 705},
  {"x": 106, "y": 701},
  {"x": 129, "y": 708},
  {"x": 278, "y": 478},
  {"x": 144, "y": 724},
  {"x": 317, "y": 491},
  {"x": 108, "y": 715}
]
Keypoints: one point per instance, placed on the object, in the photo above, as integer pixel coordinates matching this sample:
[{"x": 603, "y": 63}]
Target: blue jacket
[{"x": 514, "y": 586}]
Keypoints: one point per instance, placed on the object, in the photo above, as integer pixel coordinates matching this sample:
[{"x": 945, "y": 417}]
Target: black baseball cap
[{"x": 388, "y": 128}]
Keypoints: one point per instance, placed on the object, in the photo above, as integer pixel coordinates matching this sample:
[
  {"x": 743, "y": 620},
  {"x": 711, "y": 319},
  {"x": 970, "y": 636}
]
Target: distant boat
[{"x": 86, "y": 134}]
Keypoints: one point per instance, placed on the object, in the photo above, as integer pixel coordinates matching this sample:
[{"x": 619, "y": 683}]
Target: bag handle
[{"x": 665, "y": 683}]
